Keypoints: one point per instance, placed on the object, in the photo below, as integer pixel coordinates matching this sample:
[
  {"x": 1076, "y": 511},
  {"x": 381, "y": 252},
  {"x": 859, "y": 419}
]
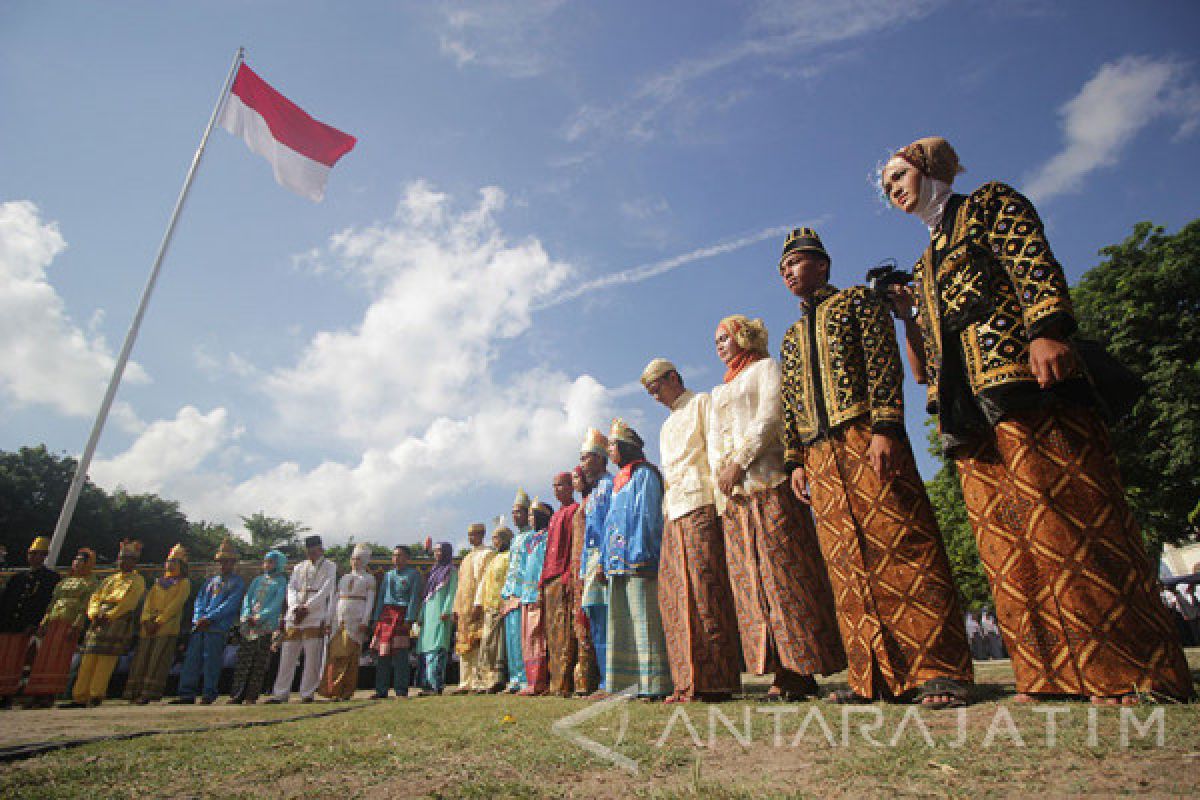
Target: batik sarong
[
  {"x": 587, "y": 668},
  {"x": 637, "y": 648},
  {"x": 897, "y": 606},
  {"x": 782, "y": 595},
  {"x": 340, "y": 678},
  {"x": 493, "y": 667},
  {"x": 51, "y": 668},
  {"x": 697, "y": 606},
  {"x": 560, "y": 636},
  {"x": 148, "y": 672},
  {"x": 1076, "y": 596},
  {"x": 250, "y": 671},
  {"x": 13, "y": 649},
  {"x": 533, "y": 647}
]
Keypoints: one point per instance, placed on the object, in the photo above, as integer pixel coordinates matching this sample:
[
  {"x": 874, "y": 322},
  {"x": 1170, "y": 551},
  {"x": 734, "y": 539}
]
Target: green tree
[
  {"x": 268, "y": 533},
  {"x": 157, "y": 523},
  {"x": 1143, "y": 303},
  {"x": 205, "y": 537},
  {"x": 33, "y": 485}
]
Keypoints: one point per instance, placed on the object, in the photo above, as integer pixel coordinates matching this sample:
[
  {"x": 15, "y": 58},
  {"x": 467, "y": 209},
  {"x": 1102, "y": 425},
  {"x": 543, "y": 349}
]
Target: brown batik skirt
[
  {"x": 697, "y": 606},
  {"x": 780, "y": 589},
  {"x": 1076, "y": 596},
  {"x": 560, "y": 636},
  {"x": 897, "y": 607}
]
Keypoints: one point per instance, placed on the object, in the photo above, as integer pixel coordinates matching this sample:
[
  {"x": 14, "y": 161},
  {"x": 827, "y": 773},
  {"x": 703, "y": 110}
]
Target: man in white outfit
[{"x": 310, "y": 595}]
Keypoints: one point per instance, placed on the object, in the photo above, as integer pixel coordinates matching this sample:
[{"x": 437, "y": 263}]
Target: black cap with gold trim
[{"x": 803, "y": 239}]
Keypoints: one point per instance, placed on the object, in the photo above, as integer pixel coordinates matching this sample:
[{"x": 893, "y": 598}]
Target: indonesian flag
[{"x": 301, "y": 149}]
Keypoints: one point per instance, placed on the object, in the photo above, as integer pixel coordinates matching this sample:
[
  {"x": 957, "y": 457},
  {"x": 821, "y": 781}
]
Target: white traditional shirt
[
  {"x": 745, "y": 426},
  {"x": 684, "y": 449},
  {"x": 311, "y": 585},
  {"x": 355, "y": 602},
  {"x": 470, "y": 576}
]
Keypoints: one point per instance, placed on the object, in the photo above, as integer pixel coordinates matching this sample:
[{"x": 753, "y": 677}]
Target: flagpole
[{"x": 85, "y": 461}]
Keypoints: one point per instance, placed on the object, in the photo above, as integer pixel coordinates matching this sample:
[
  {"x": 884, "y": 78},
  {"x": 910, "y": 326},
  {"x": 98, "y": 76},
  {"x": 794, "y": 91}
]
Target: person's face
[
  {"x": 357, "y": 563},
  {"x": 614, "y": 453},
  {"x": 579, "y": 483},
  {"x": 501, "y": 541},
  {"x": 902, "y": 185},
  {"x": 227, "y": 565},
  {"x": 563, "y": 492},
  {"x": 268, "y": 565},
  {"x": 593, "y": 464},
  {"x": 666, "y": 388},
  {"x": 79, "y": 563},
  {"x": 36, "y": 558},
  {"x": 475, "y": 538},
  {"x": 126, "y": 563},
  {"x": 399, "y": 559},
  {"x": 804, "y": 272},
  {"x": 315, "y": 552},
  {"x": 520, "y": 516},
  {"x": 727, "y": 348}
]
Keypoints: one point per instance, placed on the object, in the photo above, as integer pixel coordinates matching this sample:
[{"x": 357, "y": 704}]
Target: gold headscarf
[{"x": 932, "y": 156}]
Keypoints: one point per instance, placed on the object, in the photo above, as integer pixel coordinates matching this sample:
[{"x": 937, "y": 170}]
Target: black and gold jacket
[
  {"x": 840, "y": 362},
  {"x": 989, "y": 280}
]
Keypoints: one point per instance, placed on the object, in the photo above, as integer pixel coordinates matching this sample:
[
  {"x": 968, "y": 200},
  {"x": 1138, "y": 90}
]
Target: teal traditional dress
[{"x": 436, "y": 634}]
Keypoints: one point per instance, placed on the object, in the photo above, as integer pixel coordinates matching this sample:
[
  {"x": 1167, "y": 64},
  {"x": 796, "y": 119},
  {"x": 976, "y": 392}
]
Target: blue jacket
[
  {"x": 220, "y": 602},
  {"x": 634, "y": 526}
]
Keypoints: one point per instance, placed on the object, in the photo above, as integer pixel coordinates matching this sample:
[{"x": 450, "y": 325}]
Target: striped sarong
[
  {"x": 13, "y": 647},
  {"x": 52, "y": 665},
  {"x": 637, "y": 647}
]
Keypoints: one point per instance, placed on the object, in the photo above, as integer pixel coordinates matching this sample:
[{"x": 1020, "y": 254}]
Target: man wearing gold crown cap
[
  {"x": 636, "y": 652},
  {"x": 470, "y": 626},
  {"x": 351, "y": 622},
  {"x": 493, "y": 658},
  {"x": 533, "y": 622},
  {"x": 586, "y": 676},
  {"x": 22, "y": 604},
  {"x": 511, "y": 594},
  {"x": 556, "y": 589},
  {"x": 159, "y": 630},
  {"x": 111, "y": 611},
  {"x": 848, "y": 454},
  {"x": 784, "y": 602},
  {"x": 215, "y": 610},
  {"x": 1076, "y": 597},
  {"x": 693, "y": 593},
  {"x": 593, "y": 598},
  {"x": 310, "y": 598},
  {"x": 60, "y": 630}
]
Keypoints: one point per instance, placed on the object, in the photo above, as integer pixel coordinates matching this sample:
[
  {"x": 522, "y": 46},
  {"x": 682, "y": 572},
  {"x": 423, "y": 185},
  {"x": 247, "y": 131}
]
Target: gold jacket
[
  {"x": 989, "y": 278},
  {"x": 857, "y": 360}
]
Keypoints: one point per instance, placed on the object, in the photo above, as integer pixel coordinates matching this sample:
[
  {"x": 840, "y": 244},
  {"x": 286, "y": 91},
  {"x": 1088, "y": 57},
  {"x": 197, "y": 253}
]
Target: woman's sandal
[{"x": 938, "y": 693}]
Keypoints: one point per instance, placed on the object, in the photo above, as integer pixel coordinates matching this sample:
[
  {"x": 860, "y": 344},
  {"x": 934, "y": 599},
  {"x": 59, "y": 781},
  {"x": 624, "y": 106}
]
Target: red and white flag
[{"x": 301, "y": 149}]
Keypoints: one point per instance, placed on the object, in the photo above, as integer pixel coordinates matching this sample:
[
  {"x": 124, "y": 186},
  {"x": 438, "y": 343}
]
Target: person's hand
[
  {"x": 301, "y": 613},
  {"x": 203, "y": 623},
  {"x": 151, "y": 627},
  {"x": 884, "y": 455},
  {"x": 729, "y": 478},
  {"x": 900, "y": 301},
  {"x": 601, "y": 577},
  {"x": 800, "y": 486},
  {"x": 448, "y": 617},
  {"x": 1050, "y": 360}
]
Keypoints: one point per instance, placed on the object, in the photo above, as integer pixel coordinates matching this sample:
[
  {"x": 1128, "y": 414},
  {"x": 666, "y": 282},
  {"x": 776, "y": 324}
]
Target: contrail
[{"x": 638, "y": 274}]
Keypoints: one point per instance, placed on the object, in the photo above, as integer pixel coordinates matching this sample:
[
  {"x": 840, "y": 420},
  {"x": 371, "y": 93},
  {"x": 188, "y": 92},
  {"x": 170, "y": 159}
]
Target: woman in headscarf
[
  {"x": 436, "y": 619},
  {"x": 1074, "y": 590},
  {"x": 780, "y": 587},
  {"x": 59, "y": 631},
  {"x": 261, "y": 609},
  {"x": 159, "y": 630}
]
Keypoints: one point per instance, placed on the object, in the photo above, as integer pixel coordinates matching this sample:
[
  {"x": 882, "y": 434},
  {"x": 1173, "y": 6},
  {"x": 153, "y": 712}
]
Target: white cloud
[
  {"x": 411, "y": 390},
  {"x": 776, "y": 32},
  {"x": 512, "y": 37},
  {"x": 1118, "y": 102},
  {"x": 47, "y": 359}
]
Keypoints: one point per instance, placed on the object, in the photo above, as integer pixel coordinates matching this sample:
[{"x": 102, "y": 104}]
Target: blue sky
[{"x": 544, "y": 196}]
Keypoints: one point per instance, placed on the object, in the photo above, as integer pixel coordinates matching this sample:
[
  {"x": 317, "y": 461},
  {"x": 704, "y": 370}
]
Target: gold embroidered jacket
[
  {"x": 991, "y": 280},
  {"x": 854, "y": 371}
]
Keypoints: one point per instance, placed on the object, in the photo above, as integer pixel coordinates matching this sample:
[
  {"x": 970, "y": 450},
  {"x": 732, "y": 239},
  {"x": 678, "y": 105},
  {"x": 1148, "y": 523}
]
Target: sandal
[
  {"x": 847, "y": 697},
  {"x": 937, "y": 693}
]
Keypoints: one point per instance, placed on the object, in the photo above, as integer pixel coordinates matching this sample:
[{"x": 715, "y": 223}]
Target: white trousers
[{"x": 314, "y": 652}]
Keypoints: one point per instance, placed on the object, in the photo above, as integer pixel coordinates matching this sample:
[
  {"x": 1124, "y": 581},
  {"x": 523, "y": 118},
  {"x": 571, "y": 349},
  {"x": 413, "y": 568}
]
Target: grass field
[{"x": 486, "y": 747}]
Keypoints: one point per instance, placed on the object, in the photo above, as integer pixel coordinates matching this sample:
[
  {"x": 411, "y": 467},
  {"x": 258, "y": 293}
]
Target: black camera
[{"x": 885, "y": 275}]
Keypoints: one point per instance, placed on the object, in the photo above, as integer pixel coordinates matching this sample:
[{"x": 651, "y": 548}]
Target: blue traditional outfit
[
  {"x": 436, "y": 620},
  {"x": 217, "y": 606},
  {"x": 396, "y": 607},
  {"x": 261, "y": 610},
  {"x": 637, "y": 646},
  {"x": 510, "y": 594},
  {"x": 593, "y": 597},
  {"x": 533, "y": 623}
]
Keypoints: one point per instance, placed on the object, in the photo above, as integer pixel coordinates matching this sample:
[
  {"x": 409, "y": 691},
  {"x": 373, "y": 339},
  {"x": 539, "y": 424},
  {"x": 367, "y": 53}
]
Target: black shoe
[
  {"x": 275, "y": 701},
  {"x": 182, "y": 701},
  {"x": 234, "y": 701},
  {"x": 72, "y": 704},
  {"x": 378, "y": 696},
  {"x": 207, "y": 701},
  {"x": 306, "y": 700}
]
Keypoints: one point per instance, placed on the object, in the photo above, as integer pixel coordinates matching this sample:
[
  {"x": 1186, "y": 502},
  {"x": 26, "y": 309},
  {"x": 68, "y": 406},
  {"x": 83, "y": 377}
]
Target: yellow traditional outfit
[
  {"x": 470, "y": 628},
  {"x": 110, "y": 610},
  {"x": 351, "y": 622},
  {"x": 492, "y": 660},
  {"x": 159, "y": 630}
]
